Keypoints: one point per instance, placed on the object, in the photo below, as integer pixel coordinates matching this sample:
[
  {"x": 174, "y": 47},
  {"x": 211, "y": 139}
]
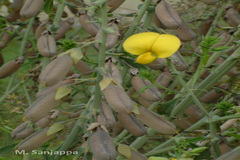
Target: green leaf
[
  {"x": 198, "y": 150},
  {"x": 237, "y": 136},
  {"x": 62, "y": 92},
  {"x": 169, "y": 105},
  {"x": 48, "y": 6},
  {"x": 109, "y": 30},
  {"x": 56, "y": 127},
  {"x": 132, "y": 63},
  {"x": 219, "y": 48},
  {"x": 142, "y": 90},
  {"x": 7, "y": 148},
  {"x": 157, "y": 158},
  {"x": 76, "y": 54},
  {"x": 105, "y": 82},
  {"x": 124, "y": 150},
  {"x": 195, "y": 140}
]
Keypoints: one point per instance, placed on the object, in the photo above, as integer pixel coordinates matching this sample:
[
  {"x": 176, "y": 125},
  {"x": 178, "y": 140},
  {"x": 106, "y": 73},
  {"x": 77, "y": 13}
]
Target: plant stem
[
  {"x": 148, "y": 20},
  {"x": 160, "y": 151},
  {"x": 214, "y": 139},
  {"x": 59, "y": 13},
  {"x": 142, "y": 140},
  {"x": 27, "y": 94}
]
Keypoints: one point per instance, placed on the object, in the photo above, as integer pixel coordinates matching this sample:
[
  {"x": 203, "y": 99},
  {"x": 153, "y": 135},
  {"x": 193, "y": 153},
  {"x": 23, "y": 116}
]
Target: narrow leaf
[
  {"x": 62, "y": 92},
  {"x": 124, "y": 150},
  {"x": 56, "y": 127},
  {"x": 105, "y": 82},
  {"x": 76, "y": 54}
]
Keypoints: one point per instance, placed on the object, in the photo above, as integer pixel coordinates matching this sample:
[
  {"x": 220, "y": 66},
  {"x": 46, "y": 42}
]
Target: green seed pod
[
  {"x": 46, "y": 45},
  {"x": 118, "y": 99},
  {"x": 185, "y": 33},
  {"x": 1, "y": 60},
  {"x": 4, "y": 39},
  {"x": 41, "y": 107},
  {"x": 11, "y": 67},
  {"x": 232, "y": 155},
  {"x": 114, "y": 72},
  {"x": 56, "y": 70},
  {"x": 91, "y": 28},
  {"x": 102, "y": 146},
  {"x": 34, "y": 141},
  {"x": 16, "y": 5},
  {"x": 151, "y": 94},
  {"x": 82, "y": 67},
  {"x": 179, "y": 62},
  {"x": 130, "y": 123},
  {"x": 106, "y": 117},
  {"x": 155, "y": 121},
  {"x": 31, "y": 8},
  {"x": 114, "y": 4}
]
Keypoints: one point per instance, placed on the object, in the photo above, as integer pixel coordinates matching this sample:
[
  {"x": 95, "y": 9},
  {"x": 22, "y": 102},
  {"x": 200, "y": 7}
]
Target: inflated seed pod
[
  {"x": 1, "y": 60},
  {"x": 144, "y": 102},
  {"x": 179, "y": 62},
  {"x": 137, "y": 156},
  {"x": 106, "y": 117},
  {"x": 4, "y": 39},
  {"x": 16, "y": 5},
  {"x": 13, "y": 16},
  {"x": 54, "y": 87},
  {"x": 41, "y": 107},
  {"x": 56, "y": 70},
  {"x": 181, "y": 122},
  {"x": 167, "y": 15},
  {"x": 111, "y": 38},
  {"x": 211, "y": 96},
  {"x": 114, "y": 4},
  {"x": 63, "y": 28},
  {"x": 114, "y": 72},
  {"x": 205, "y": 26},
  {"x": 83, "y": 68},
  {"x": 40, "y": 29},
  {"x": 164, "y": 79},
  {"x": 117, "y": 129},
  {"x": 46, "y": 45},
  {"x": 158, "y": 22},
  {"x": 34, "y": 141},
  {"x": 11, "y": 67},
  {"x": 194, "y": 114},
  {"x": 158, "y": 64},
  {"x": 209, "y": 1},
  {"x": 130, "y": 123},
  {"x": 102, "y": 146},
  {"x": 185, "y": 33},
  {"x": 31, "y": 8},
  {"x": 151, "y": 94},
  {"x": 232, "y": 155},
  {"x": 118, "y": 99},
  {"x": 155, "y": 121},
  {"x": 91, "y": 28},
  {"x": 233, "y": 17}
]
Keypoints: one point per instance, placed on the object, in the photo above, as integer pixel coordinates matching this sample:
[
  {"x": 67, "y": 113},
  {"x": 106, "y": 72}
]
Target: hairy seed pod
[
  {"x": 194, "y": 114},
  {"x": 4, "y": 39},
  {"x": 163, "y": 79},
  {"x": 102, "y": 146},
  {"x": 233, "y": 17},
  {"x": 16, "y": 5},
  {"x": 114, "y": 4},
  {"x": 13, "y": 16},
  {"x": 151, "y": 94},
  {"x": 82, "y": 67},
  {"x": 91, "y": 28},
  {"x": 46, "y": 45},
  {"x": 130, "y": 123},
  {"x": 167, "y": 15},
  {"x": 232, "y": 155},
  {"x": 158, "y": 64},
  {"x": 31, "y": 8},
  {"x": 34, "y": 141},
  {"x": 1, "y": 60},
  {"x": 56, "y": 70},
  {"x": 62, "y": 30},
  {"x": 114, "y": 72},
  {"x": 106, "y": 117},
  {"x": 137, "y": 156},
  {"x": 40, "y": 29},
  {"x": 11, "y": 67},
  {"x": 210, "y": 2},
  {"x": 182, "y": 122},
  {"x": 179, "y": 62},
  {"x": 155, "y": 121},
  {"x": 111, "y": 38},
  {"x": 41, "y": 107},
  {"x": 117, "y": 129},
  {"x": 185, "y": 33},
  {"x": 118, "y": 99},
  {"x": 54, "y": 87}
]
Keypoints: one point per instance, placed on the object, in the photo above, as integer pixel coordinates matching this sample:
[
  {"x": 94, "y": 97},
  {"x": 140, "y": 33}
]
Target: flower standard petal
[
  {"x": 165, "y": 45},
  {"x": 140, "y": 43},
  {"x": 146, "y": 58}
]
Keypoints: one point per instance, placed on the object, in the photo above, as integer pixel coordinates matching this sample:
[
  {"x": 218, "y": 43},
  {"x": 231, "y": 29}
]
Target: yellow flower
[{"x": 150, "y": 45}]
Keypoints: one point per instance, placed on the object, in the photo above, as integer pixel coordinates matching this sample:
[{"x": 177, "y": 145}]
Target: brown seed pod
[
  {"x": 118, "y": 128},
  {"x": 232, "y": 155},
  {"x": 106, "y": 117},
  {"x": 56, "y": 70},
  {"x": 210, "y": 2},
  {"x": 34, "y": 141},
  {"x": 185, "y": 33},
  {"x": 157, "y": 22},
  {"x": 1, "y": 59},
  {"x": 114, "y": 72},
  {"x": 155, "y": 121},
  {"x": 91, "y": 28},
  {"x": 63, "y": 28},
  {"x": 194, "y": 114},
  {"x": 163, "y": 79},
  {"x": 211, "y": 96},
  {"x": 4, "y": 39},
  {"x": 31, "y": 8},
  {"x": 13, "y": 16},
  {"x": 151, "y": 94},
  {"x": 144, "y": 102},
  {"x": 118, "y": 99},
  {"x": 179, "y": 62},
  {"x": 111, "y": 38},
  {"x": 11, "y": 67},
  {"x": 82, "y": 67},
  {"x": 135, "y": 155},
  {"x": 158, "y": 64},
  {"x": 114, "y": 4},
  {"x": 167, "y": 15},
  {"x": 46, "y": 45},
  {"x": 16, "y": 5},
  {"x": 40, "y": 29},
  {"x": 182, "y": 122},
  {"x": 232, "y": 16},
  {"x": 130, "y": 123},
  {"x": 41, "y": 107},
  {"x": 205, "y": 26},
  {"x": 102, "y": 146}
]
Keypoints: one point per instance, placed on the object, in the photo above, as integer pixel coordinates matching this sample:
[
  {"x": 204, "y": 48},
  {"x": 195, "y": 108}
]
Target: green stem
[
  {"x": 217, "y": 118},
  {"x": 148, "y": 20},
  {"x": 160, "y": 151},
  {"x": 142, "y": 140},
  {"x": 27, "y": 94},
  {"x": 59, "y": 13},
  {"x": 121, "y": 136},
  {"x": 27, "y": 156},
  {"x": 214, "y": 139}
]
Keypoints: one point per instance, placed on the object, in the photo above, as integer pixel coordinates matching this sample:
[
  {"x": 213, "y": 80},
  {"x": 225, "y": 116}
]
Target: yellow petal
[
  {"x": 146, "y": 58},
  {"x": 165, "y": 45},
  {"x": 140, "y": 43}
]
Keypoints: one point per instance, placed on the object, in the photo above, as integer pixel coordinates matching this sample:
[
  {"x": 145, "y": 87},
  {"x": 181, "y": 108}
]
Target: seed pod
[
  {"x": 13, "y": 16},
  {"x": 114, "y": 72},
  {"x": 179, "y": 62},
  {"x": 233, "y": 17},
  {"x": 209, "y": 1},
  {"x": 118, "y": 99},
  {"x": 158, "y": 64},
  {"x": 118, "y": 128},
  {"x": 4, "y": 39},
  {"x": 151, "y": 94},
  {"x": 185, "y": 33},
  {"x": 54, "y": 87},
  {"x": 34, "y": 141},
  {"x": 63, "y": 28},
  {"x": 137, "y": 156},
  {"x": 211, "y": 96},
  {"x": 1, "y": 60},
  {"x": 164, "y": 79},
  {"x": 182, "y": 122},
  {"x": 31, "y": 8},
  {"x": 102, "y": 146},
  {"x": 155, "y": 121},
  {"x": 11, "y": 67},
  {"x": 106, "y": 117},
  {"x": 167, "y": 15},
  {"x": 114, "y": 4},
  {"x": 205, "y": 26},
  {"x": 82, "y": 67},
  {"x": 111, "y": 38},
  {"x": 232, "y": 155},
  {"x": 16, "y": 5},
  {"x": 40, "y": 29},
  {"x": 130, "y": 123},
  {"x": 41, "y": 107},
  {"x": 91, "y": 28},
  {"x": 194, "y": 114},
  {"x": 144, "y": 102},
  {"x": 158, "y": 22},
  {"x": 55, "y": 71},
  {"x": 46, "y": 45}
]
